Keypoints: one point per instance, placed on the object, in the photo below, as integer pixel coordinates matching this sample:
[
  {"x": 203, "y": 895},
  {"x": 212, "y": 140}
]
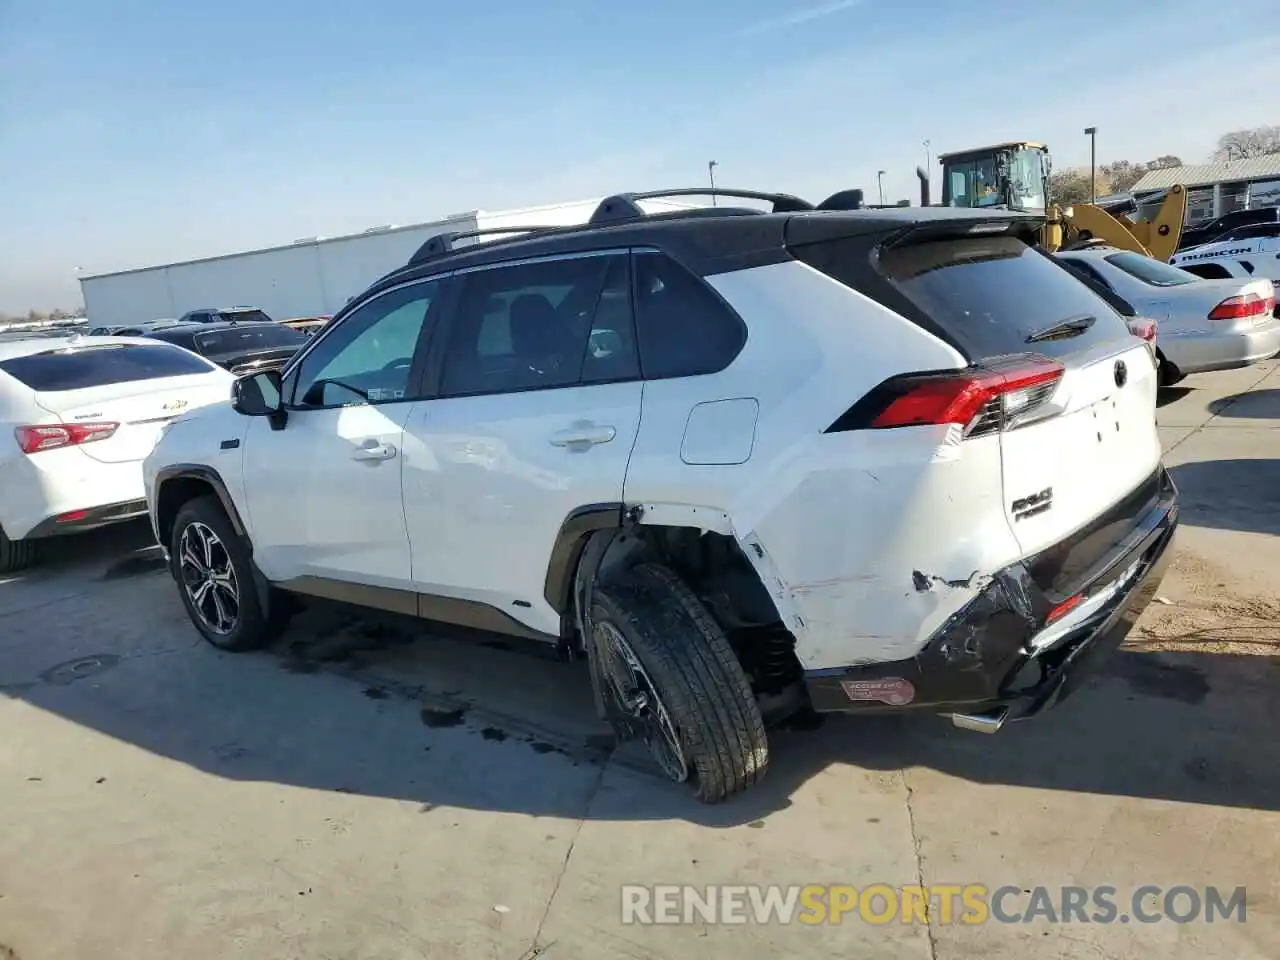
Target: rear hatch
[
  {"x": 138, "y": 387},
  {"x": 1076, "y": 410}
]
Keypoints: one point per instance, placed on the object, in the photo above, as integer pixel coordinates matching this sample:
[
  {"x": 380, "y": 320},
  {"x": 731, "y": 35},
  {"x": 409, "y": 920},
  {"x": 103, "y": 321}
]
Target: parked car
[
  {"x": 744, "y": 463},
  {"x": 1249, "y": 252},
  {"x": 224, "y": 315},
  {"x": 77, "y": 417},
  {"x": 239, "y": 347},
  {"x": 131, "y": 330},
  {"x": 1204, "y": 324},
  {"x": 1216, "y": 229}
]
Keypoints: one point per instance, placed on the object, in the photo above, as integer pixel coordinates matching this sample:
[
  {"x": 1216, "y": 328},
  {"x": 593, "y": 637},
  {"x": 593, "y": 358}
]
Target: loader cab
[{"x": 1011, "y": 176}]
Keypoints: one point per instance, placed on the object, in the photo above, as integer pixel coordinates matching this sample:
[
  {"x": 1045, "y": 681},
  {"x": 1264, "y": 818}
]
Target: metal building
[
  {"x": 1214, "y": 189},
  {"x": 311, "y": 277}
]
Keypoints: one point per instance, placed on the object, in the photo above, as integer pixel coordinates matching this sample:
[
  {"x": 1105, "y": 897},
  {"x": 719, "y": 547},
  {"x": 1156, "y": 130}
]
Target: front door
[
  {"x": 538, "y": 408},
  {"x": 324, "y": 492}
]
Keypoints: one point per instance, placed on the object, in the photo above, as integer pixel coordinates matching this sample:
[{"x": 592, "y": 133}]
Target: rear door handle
[
  {"x": 372, "y": 450},
  {"x": 585, "y": 435}
]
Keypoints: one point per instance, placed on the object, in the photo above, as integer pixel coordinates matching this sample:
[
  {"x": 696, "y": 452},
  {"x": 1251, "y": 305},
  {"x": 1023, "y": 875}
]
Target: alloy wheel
[{"x": 209, "y": 577}]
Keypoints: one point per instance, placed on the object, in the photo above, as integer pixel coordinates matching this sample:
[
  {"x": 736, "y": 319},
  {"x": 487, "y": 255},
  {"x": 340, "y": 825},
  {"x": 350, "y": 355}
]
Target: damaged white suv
[{"x": 745, "y": 462}]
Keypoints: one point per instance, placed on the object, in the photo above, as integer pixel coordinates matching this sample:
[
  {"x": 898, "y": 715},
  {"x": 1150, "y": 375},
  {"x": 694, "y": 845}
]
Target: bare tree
[{"x": 1243, "y": 144}]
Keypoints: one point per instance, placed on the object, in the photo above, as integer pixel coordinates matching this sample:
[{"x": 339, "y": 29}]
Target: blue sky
[{"x": 135, "y": 132}]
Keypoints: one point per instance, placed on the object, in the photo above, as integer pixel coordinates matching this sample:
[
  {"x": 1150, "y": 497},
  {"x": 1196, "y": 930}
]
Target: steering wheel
[{"x": 404, "y": 362}]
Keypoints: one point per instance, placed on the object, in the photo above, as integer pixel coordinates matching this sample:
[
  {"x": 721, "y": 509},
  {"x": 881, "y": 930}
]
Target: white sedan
[
  {"x": 78, "y": 415},
  {"x": 1203, "y": 324}
]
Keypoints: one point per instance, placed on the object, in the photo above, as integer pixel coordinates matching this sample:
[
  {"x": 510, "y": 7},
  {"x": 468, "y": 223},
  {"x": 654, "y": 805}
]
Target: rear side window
[
  {"x": 76, "y": 369},
  {"x": 997, "y": 295},
  {"x": 683, "y": 326}
]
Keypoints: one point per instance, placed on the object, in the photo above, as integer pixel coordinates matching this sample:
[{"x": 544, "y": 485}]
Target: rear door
[
  {"x": 1092, "y": 442},
  {"x": 138, "y": 387},
  {"x": 537, "y": 410}
]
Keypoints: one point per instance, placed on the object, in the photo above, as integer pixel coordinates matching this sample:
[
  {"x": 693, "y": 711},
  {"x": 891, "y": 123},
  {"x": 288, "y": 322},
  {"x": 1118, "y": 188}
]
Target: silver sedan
[{"x": 1203, "y": 324}]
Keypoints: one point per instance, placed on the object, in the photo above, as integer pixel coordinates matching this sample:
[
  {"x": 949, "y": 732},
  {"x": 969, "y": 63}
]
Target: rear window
[
  {"x": 1150, "y": 271},
  {"x": 995, "y": 295},
  {"x": 247, "y": 338},
  {"x": 100, "y": 366},
  {"x": 243, "y": 316}
]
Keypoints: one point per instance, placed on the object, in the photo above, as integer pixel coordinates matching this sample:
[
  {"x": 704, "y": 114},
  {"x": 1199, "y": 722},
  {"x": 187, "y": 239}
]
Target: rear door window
[
  {"x": 998, "y": 295},
  {"x": 541, "y": 324},
  {"x": 100, "y": 366}
]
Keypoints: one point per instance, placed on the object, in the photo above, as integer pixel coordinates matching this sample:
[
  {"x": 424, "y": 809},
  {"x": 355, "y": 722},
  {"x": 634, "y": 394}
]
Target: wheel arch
[{"x": 182, "y": 482}]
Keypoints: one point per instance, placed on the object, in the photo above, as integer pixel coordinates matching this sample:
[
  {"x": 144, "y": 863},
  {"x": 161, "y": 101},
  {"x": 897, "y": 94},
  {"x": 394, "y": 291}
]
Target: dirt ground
[{"x": 365, "y": 791}]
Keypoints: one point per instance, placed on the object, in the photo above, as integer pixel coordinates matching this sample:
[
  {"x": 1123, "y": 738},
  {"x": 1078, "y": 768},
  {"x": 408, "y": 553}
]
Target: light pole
[
  {"x": 880, "y": 184},
  {"x": 711, "y": 172},
  {"x": 1092, "y": 134}
]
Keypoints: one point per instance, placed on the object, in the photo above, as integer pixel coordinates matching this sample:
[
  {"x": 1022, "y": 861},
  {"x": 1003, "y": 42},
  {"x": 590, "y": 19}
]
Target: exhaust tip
[{"x": 981, "y": 722}]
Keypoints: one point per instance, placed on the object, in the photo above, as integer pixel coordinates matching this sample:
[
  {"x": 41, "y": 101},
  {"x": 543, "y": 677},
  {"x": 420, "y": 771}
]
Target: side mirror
[{"x": 257, "y": 394}]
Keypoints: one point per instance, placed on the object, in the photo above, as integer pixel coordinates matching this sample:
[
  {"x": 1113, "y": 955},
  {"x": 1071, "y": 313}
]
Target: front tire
[
  {"x": 216, "y": 579},
  {"x": 671, "y": 677},
  {"x": 16, "y": 555}
]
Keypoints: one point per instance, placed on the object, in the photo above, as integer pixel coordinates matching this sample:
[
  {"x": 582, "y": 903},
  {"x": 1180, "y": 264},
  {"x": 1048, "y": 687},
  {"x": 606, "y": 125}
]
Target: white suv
[{"x": 747, "y": 463}]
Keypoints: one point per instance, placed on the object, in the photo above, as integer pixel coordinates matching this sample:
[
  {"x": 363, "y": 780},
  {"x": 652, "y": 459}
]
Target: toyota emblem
[{"x": 1121, "y": 373}]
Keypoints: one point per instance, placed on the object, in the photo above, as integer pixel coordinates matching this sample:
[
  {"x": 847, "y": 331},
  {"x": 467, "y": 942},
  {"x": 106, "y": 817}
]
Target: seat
[{"x": 541, "y": 338}]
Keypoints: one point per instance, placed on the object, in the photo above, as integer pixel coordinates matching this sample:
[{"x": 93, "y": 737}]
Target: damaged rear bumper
[{"x": 1025, "y": 642}]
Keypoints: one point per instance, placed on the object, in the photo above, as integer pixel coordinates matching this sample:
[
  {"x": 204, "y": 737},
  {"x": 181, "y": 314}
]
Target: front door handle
[
  {"x": 583, "y": 435},
  {"x": 372, "y": 450}
]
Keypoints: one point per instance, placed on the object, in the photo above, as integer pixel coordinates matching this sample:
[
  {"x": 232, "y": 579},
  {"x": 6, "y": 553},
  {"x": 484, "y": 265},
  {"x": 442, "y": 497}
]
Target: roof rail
[
  {"x": 443, "y": 243},
  {"x": 622, "y": 207}
]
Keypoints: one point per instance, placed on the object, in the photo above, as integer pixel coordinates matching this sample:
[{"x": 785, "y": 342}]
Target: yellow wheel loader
[{"x": 1015, "y": 176}]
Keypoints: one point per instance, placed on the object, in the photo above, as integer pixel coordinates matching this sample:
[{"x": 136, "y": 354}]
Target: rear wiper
[{"x": 1062, "y": 331}]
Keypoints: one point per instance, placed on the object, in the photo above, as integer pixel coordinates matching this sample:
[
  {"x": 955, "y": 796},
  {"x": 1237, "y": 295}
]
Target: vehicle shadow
[
  {"x": 1242, "y": 494},
  {"x": 1251, "y": 405},
  {"x": 1168, "y": 395},
  {"x": 398, "y": 717}
]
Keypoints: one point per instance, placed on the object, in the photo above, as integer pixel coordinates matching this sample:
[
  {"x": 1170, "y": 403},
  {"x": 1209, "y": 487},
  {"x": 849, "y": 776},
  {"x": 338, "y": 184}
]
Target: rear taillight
[
  {"x": 982, "y": 400},
  {"x": 51, "y": 436},
  {"x": 1243, "y": 307}
]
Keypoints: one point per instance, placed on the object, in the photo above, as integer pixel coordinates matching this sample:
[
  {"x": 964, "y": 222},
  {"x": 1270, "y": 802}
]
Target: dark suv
[{"x": 239, "y": 347}]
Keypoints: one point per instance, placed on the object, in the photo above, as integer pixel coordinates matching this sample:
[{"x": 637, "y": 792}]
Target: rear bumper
[
  {"x": 79, "y": 521},
  {"x": 997, "y": 659},
  {"x": 36, "y": 490},
  {"x": 1226, "y": 350}
]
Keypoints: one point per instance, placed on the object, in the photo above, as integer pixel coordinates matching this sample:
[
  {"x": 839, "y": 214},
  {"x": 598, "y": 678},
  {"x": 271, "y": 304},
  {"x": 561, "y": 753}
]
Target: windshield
[
  {"x": 1151, "y": 272},
  {"x": 1026, "y": 179},
  {"x": 243, "y": 339}
]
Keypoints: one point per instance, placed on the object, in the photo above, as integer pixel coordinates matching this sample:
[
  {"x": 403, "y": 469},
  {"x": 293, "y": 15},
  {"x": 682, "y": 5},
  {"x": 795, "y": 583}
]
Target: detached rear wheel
[
  {"x": 671, "y": 679},
  {"x": 16, "y": 555},
  {"x": 216, "y": 579}
]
